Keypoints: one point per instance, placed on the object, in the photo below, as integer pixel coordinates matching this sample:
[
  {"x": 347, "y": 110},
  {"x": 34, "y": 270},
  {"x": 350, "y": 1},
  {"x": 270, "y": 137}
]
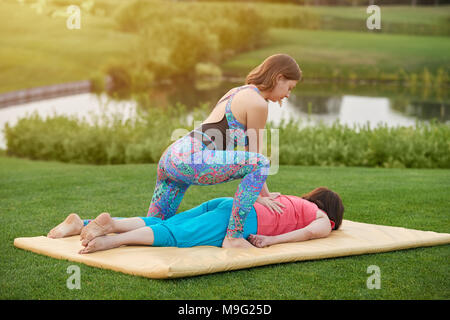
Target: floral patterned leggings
[{"x": 189, "y": 162}]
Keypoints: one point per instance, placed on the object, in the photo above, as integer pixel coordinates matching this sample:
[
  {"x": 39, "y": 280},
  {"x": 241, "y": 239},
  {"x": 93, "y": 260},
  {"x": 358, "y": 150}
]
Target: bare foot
[
  {"x": 102, "y": 225},
  {"x": 99, "y": 244},
  {"x": 69, "y": 227},
  {"x": 236, "y": 243}
]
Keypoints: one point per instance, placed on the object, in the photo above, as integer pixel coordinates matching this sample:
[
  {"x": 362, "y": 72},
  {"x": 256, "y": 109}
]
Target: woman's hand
[
  {"x": 271, "y": 204},
  {"x": 274, "y": 195},
  {"x": 260, "y": 241},
  {"x": 236, "y": 243}
]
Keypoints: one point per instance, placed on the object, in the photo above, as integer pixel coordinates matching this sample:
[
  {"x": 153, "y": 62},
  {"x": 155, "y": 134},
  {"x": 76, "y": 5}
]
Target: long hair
[
  {"x": 328, "y": 201},
  {"x": 264, "y": 75}
]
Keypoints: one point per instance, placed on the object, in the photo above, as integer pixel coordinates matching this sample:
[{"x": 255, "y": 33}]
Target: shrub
[
  {"x": 175, "y": 37},
  {"x": 143, "y": 139},
  {"x": 421, "y": 146}
]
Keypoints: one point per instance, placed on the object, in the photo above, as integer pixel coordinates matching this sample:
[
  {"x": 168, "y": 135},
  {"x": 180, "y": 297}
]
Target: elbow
[
  {"x": 322, "y": 232},
  {"x": 325, "y": 233}
]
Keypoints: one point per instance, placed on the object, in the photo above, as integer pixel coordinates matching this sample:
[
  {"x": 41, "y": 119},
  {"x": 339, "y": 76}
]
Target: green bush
[
  {"x": 108, "y": 140},
  {"x": 144, "y": 138},
  {"x": 175, "y": 37},
  {"x": 421, "y": 146}
]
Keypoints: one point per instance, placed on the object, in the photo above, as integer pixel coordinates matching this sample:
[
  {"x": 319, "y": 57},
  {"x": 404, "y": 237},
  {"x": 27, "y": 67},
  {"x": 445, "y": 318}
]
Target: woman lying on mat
[{"x": 312, "y": 216}]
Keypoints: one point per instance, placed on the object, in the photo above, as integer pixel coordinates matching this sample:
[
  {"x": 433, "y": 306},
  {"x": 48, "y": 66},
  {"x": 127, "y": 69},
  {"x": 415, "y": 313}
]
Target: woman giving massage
[
  {"x": 208, "y": 154},
  {"x": 314, "y": 215}
]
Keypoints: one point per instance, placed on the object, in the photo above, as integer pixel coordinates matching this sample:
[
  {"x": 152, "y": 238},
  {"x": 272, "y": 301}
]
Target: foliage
[
  {"x": 143, "y": 138},
  {"x": 175, "y": 37},
  {"x": 421, "y": 146}
]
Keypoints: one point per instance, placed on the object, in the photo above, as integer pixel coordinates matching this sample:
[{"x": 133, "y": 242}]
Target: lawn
[
  {"x": 35, "y": 196},
  {"x": 38, "y": 50},
  {"x": 329, "y": 53},
  {"x": 392, "y": 14}
]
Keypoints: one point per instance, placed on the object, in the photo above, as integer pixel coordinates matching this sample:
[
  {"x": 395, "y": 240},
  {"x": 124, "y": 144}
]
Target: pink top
[{"x": 297, "y": 214}]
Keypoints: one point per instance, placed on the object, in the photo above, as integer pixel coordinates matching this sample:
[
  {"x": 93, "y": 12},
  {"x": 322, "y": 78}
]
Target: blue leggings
[
  {"x": 204, "y": 225},
  {"x": 189, "y": 162}
]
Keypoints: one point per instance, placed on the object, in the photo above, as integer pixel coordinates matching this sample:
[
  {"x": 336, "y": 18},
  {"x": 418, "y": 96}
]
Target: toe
[{"x": 90, "y": 247}]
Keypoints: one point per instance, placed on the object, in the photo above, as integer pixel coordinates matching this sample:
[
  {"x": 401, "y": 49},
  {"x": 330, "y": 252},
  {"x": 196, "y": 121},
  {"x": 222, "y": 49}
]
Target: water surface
[{"x": 312, "y": 103}]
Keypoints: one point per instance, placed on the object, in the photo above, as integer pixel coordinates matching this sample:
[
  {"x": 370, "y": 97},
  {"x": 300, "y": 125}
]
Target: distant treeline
[{"x": 344, "y": 2}]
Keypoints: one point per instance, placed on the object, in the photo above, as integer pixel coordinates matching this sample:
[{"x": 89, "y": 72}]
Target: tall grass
[
  {"x": 142, "y": 139},
  {"x": 420, "y": 146},
  {"x": 100, "y": 140}
]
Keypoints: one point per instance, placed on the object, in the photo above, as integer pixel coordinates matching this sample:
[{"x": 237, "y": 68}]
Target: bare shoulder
[
  {"x": 256, "y": 100},
  {"x": 325, "y": 220},
  {"x": 250, "y": 108},
  {"x": 250, "y": 99},
  {"x": 321, "y": 214}
]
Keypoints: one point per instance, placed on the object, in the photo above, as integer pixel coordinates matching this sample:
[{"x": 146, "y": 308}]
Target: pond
[{"x": 350, "y": 104}]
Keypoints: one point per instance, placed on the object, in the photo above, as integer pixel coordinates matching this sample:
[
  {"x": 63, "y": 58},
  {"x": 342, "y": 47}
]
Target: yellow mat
[{"x": 352, "y": 238}]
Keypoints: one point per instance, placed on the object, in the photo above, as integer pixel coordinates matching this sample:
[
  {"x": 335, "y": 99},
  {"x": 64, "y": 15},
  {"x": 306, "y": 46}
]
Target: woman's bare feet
[
  {"x": 99, "y": 244},
  {"x": 100, "y": 226},
  {"x": 69, "y": 227}
]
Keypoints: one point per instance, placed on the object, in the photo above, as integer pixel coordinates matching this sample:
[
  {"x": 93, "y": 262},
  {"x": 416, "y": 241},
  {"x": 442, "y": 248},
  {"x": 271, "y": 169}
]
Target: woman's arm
[
  {"x": 264, "y": 191},
  {"x": 256, "y": 122},
  {"x": 256, "y": 115},
  {"x": 319, "y": 228}
]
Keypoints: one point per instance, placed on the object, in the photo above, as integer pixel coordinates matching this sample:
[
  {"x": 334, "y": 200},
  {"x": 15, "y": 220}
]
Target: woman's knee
[
  {"x": 262, "y": 162},
  {"x": 214, "y": 203},
  {"x": 163, "y": 236}
]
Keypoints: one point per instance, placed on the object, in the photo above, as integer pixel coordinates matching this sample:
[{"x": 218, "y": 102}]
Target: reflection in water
[
  {"x": 306, "y": 108},
  {"x": 86, "y": 105},
  {"x": 351, "y": 105},
  {"x": 425, "y": 110},
  {"x": 398, "y": 105},
  {"x": 348, "y": 110},
  {"x": 373, "y": 111}
]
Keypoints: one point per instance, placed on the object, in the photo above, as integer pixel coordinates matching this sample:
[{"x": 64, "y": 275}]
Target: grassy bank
[
  {"x": 349, "y": 55},
  {"x": 418, "y": 20},
  {"x": 399, "y": 19},
  {"x": 38, "y": 49},
  {"x": 35, "y": 196}
]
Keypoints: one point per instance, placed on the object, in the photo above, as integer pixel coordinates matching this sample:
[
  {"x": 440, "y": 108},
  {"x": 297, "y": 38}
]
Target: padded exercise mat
[{"x": 352, "y": 238}]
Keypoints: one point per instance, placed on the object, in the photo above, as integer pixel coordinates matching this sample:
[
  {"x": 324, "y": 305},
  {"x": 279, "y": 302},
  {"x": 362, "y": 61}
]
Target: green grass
[
  {"x": 39, "y": 50},
  {"x": 425, "y": 15},
  {"x": 394, "y": 19},
  {"x": 35, "y": 196},
  {"x": 322, "y": 53}
]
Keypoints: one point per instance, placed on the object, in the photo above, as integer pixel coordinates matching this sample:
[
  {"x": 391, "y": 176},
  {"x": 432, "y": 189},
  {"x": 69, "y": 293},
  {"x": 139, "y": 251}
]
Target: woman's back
[
  {"x": 297, "y": 214},
  {"x": 226, "y": 126},
  {"x": 240, "y": 101}
]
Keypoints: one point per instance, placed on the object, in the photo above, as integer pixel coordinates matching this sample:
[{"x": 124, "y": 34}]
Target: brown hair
[
  {"x": 328, "y": 201},
  {"x": 264, "y": 75}
]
